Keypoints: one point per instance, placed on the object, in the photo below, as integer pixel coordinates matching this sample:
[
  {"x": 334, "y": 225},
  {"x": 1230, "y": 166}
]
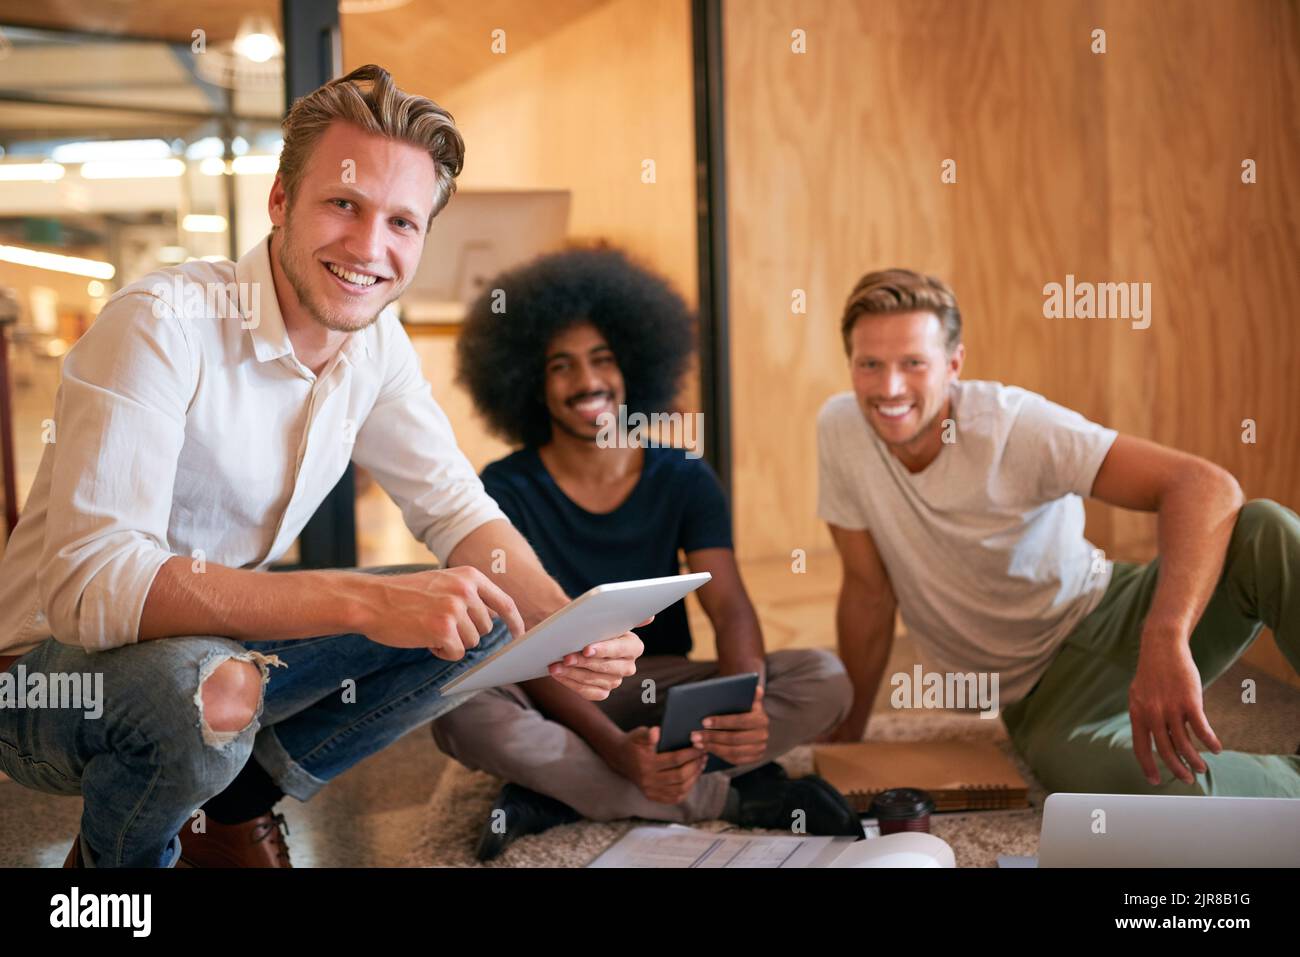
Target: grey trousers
[{"x": 500, "y": 731}]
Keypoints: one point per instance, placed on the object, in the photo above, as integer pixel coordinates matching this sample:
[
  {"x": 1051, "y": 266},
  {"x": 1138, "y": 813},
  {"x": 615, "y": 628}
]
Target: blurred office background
[{"x": 794, "y": 144}]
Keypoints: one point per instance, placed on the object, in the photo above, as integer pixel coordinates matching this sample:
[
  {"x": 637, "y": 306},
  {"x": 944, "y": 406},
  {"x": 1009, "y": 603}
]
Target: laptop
[{"x": 1148, "y": 830}]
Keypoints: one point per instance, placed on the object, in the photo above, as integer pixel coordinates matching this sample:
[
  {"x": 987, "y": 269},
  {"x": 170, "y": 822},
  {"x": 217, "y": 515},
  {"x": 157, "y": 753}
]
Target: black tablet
[{"x": 688, "y": 705}]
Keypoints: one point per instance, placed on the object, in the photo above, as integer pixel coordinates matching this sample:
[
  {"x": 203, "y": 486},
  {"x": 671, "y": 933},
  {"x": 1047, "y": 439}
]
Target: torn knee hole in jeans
[{"x": 220, "y": 739}]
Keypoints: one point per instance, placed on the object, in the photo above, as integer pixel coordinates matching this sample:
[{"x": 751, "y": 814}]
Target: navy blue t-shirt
[{"x": 676, "y": 505}]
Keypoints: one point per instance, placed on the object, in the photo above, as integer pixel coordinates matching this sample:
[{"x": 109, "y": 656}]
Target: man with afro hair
[{"x": 551, "y": 353}]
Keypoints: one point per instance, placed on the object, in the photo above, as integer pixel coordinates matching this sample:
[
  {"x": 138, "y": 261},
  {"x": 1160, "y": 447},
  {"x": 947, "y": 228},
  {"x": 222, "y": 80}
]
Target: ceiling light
[
  {"x": 256, "y": 40},
  {"x": 257, "y": 164},
  {"x": 137, "y": 169},
  {"x": 205, "y": 147},
  {"x": 56, "y": 262},
  {"x": 198, "y": 223},
  {"x": 111, "y": 150},
  {"x": 29, "y": 172}
]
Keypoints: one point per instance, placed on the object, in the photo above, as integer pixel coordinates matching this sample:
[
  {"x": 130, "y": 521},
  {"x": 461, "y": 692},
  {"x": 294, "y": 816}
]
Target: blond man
[{"x": 201, "y": 421}]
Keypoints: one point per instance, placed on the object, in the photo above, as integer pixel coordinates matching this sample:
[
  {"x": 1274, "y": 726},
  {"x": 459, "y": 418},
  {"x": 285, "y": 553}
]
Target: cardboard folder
[{"x": 959, "y": 775}]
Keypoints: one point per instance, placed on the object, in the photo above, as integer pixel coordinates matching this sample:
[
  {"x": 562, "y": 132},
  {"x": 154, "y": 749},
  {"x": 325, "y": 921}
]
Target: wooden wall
[
  {"x": 1121, "y": 166},
  {"x": 582, "y": 110}
]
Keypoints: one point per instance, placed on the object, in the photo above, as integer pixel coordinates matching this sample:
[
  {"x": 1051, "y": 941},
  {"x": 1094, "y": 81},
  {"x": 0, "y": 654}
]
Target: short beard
[{"x": 298, "y": 280}]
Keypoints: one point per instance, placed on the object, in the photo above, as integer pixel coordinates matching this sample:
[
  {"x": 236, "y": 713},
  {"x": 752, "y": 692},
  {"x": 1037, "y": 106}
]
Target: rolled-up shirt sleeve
[
  {"x": 119, "y": 426},
  {"x": 407, "y": 443}
]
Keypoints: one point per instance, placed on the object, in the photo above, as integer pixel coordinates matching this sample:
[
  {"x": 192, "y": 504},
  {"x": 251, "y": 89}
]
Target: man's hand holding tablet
[
  {"x": 587, "y": 644},
  {"x": 448, "y": 610},
  {"x": 601, "y": 667},
  {"x": 737, "y": 739}
]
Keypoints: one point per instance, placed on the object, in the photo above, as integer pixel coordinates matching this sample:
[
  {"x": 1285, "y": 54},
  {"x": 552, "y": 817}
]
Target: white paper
[{"x": 678, "y": 846}]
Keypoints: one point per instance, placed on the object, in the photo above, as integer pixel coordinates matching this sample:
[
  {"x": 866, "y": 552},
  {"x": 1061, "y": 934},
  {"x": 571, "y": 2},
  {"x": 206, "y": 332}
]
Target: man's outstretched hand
[
  {"x": 446, "y": 610},
  {"x": 1163, "y": 702},
  {"x": 449, "y": 610}
]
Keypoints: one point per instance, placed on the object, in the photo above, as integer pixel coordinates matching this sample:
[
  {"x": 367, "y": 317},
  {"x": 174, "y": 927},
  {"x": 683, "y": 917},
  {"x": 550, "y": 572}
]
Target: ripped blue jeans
[{"x": 150, "y": 759}]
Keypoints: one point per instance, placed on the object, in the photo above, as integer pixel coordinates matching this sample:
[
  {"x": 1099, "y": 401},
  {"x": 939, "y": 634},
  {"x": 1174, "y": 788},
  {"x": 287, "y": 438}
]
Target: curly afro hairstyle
[{"x": 501, "y": 356}]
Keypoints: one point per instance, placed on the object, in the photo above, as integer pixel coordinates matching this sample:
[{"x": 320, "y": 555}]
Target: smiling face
[
  {"x": 901, "y": 372},
  {"x": 582, "y": 381},
  {"x": 348, "y": 249}
]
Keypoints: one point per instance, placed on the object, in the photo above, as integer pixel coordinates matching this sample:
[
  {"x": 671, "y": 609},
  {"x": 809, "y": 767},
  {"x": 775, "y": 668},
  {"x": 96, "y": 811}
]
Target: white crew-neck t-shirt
[{"x": 984, "y": 547}]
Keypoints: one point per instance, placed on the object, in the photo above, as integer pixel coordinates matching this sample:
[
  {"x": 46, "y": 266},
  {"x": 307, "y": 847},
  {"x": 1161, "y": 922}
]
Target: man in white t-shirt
[{"x": 960, "y": 504}]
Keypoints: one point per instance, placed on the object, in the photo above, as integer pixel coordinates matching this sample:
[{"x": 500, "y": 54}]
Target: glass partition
[{"x": 120, "y": 153}]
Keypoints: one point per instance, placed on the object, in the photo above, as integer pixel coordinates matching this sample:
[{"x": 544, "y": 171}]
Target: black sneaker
[
  {"x": 773, "y": 802},
  {"x": 525, "y": 812}
]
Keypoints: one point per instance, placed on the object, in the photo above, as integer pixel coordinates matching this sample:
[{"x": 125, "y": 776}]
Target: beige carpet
[{"x": 462, "y": 799}]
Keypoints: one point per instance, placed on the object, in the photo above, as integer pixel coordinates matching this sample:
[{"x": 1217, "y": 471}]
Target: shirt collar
[
  {"x": 261, "y": 309},
  {"x": 359, "y": 345}
]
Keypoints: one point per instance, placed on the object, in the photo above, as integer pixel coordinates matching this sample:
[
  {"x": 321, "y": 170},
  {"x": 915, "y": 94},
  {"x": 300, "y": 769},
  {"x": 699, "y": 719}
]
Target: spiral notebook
[{"x": 959, "y": 775}]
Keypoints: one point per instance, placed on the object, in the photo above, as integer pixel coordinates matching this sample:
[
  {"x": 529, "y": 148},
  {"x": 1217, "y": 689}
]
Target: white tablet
[{"x": 604, "y": 612}]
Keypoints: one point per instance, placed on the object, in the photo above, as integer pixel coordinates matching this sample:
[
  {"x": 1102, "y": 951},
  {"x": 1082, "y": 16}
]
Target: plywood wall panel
[
  {"x": 1194, "y": 89},
  {"x": 820, "y": 195},
  {"x": 581, "y": 111},
  {"x": 1122, "y": 166}
]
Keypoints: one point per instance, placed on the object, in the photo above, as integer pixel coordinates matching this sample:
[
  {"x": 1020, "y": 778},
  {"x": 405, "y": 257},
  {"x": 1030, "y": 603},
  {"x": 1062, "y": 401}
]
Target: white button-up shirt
[{"x": 185, "y": 425}]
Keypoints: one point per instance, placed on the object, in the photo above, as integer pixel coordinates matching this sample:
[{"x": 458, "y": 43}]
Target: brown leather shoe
[
  {"x": 74, "y": 856},
  {"x": 256, "y": 843}
]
